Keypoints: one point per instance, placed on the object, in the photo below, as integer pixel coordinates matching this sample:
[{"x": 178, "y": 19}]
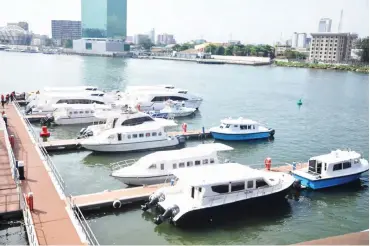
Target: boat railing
[
  {"x": 245, "y": 194},
  {"x": 28, "y": 222},
  {"x": 121, "y": 164}
]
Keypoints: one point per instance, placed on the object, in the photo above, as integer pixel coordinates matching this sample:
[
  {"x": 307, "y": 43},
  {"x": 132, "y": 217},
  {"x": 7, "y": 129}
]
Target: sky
[{"x": 250, "y": 21}]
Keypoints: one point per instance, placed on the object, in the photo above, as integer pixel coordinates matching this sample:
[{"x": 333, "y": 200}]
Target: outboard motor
[
  {"x": 28, "y": 110},
  {"x": 297, "y": 185},
  {"x": 153, "y": 201},
  {"x": 46, "y": 121},
  {"x": 168, "y": 214},
  {"x": 181, "y": 139},
  {"x": 84, "y": 133}
]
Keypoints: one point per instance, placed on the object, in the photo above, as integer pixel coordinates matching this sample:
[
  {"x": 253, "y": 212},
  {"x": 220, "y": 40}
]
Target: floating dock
[
  {"x": 356, "y": 238},
  {"x": 35, "y": 117},
  {"x": 75, "y": 144}
]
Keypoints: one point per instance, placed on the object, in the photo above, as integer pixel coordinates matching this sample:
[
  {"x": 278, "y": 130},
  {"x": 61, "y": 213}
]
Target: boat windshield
[{"x": 312, "y": 165}]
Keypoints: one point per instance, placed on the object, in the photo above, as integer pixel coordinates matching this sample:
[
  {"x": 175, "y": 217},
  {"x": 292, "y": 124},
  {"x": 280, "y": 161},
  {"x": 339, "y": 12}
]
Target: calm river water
[{"x": 334, "y": 114}]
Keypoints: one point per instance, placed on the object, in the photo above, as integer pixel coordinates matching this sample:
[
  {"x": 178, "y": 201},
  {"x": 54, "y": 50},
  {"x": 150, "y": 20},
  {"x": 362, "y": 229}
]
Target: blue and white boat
[
  {"x": 336, "y": 168},
  {"x": 240, "y": 130}
]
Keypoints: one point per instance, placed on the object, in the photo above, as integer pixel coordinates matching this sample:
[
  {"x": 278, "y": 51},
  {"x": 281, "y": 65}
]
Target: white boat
[
  {"x": 176, "y": 109},
  {"x": 119, "y": 118},
  {"x": 147, "y": 136},
  {"x": 201, "y": 193},
  {"x": 69, "y": 114},
  {"x": 157, "y": 167},
  {"x": 43, "y": 103},
  {"x": 32, "y": 95},
  {"x": 135, "y": 88},
  {"x": 336, "y": 168},
  {"x": 241, "y": 129},
  {"x": 148, "y": 100}
]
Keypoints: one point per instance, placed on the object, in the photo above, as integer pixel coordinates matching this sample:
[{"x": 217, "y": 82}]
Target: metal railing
[
  {"x": 28, "y": 222},
  {"x": 54, "y": 172},
  {"x": 121, "y": 164}
]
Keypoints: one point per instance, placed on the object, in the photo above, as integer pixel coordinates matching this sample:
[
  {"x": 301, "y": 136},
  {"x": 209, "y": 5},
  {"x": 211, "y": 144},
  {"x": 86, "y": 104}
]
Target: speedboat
[
  {"x": 176, "y": 109},
  {"x": 336, "y": 168},
  {"x": 240, "y": 129},
  {"x": 200, "y": 193},
  {"x": 147, "y": 136},
  {"x": 157, "y": 167},
  {"x": 127, "y": 116}
]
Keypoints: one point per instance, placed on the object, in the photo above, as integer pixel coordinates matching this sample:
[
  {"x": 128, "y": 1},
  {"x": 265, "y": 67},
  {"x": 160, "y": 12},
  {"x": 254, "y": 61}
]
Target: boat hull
[
  {"x": 327, "y": 183},
  {"x": 75, "y": 121},
  {"x": 150, "y": 180},
  {"x": 133, "y": 147},
  {"x": 241, "y": 137},
  {"x": 221, "y": 212}
]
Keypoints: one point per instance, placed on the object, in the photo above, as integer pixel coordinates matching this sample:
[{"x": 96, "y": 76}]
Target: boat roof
[
  {"x": 337, "y": 156},
  {"x": 239, "y": 121},
  {"x": 148, "y": 87},
  {"x": 216, "y": 173},
  {"x": 142, "y": 128},
  {"x": 70, "y": 93},
  {"x": 92, "y": 106},
  {"x": 70, "y": 88},
  {"x": 190, "y": 152}
]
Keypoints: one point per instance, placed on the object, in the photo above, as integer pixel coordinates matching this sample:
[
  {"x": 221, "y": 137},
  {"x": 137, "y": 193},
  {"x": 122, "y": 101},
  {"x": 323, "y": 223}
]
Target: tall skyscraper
[
  {"x": 104, "y": 18},
  {"x": 62, "y": 30},
  {"x": 295, "y": 40},
  {"x": 152, "y": 36},
  {"x": 325, "y": 25}
]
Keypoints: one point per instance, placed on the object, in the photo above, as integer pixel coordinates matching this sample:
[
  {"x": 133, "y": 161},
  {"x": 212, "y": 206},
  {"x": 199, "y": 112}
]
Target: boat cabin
[
  {"x": 241, "y": 125},
  {"x": 79, "y": 110},
  {"x": 335, "y": 163}
]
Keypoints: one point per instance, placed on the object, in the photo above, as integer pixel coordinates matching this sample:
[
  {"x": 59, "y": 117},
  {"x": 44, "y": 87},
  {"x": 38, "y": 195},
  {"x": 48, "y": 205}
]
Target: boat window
[
  {"x": 211, "y": 160},
  {"x": 197, "y": 163},
  {"x": 249, "y": 127},
  {"x": 260, "y": 183},
  {"x": 237, "y": 186},
  {"x": 114, "y": 122},
  {"x": 86, "y": 112},
  {"x": 175, "y": 98},
  {"x": 183, "y": 92},
  {"x": 134, "y": 135},
  {"x": 356, "y": 161},
  {"x": 200, "y": 189},
  {"x": 337, "y": 167},
  {"x": 119, "y": 136},
  {"x": 227, "y": 126},
  {"x": 81, "y": 112},
  {"x": 346, "y": 165},
  {"x": 159, "y": 99},
  {"x": 250, "y": 184},
  {"x": 235, "y": 125},
  {"x": 129, "y": 136},
  {"x": 174, "y": 165},
  {"x": 312, "y": 165},
  {"x": 205, "y": 161},
  {"x": 70, "y": 112},
  {"x": 141, "y": 135},
  {"x": 75, "y": 112},
  {"x": 136, "y": 121},
  {"x": 189, "y": 163},
  {"x": 243, "y": 127},
  {"x": 192, "y": 192},
  {"x": 162, "y": 166},
  {"x": 159, "y": 133},
  {"x": 220, "y": 188},
  {"x": 153, "y": 166},
  {"x": 254, "y": 127},
  {"x": 97, "y": 102},
  {"x": 181, "y": 164},
  {"x": 154, "y": 134},
  {"x": 325, "y": 166},
  {"x": 92, "y": 111}
]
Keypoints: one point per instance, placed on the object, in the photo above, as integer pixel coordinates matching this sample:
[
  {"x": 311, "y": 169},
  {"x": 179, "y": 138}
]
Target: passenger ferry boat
[
  {"x": 147, "y": 136},
  {"x": 157, "y": 167},
  {"x": 203, "y": 192},
  {"x": 127, "y": 116},
  {"x": 336, "y": 168},
  {"x": 32, "y": 95},
  {"x": 177, "y": 109},
  {"x": 240, "y": 129},
  {"x": 69, "y": 114}
]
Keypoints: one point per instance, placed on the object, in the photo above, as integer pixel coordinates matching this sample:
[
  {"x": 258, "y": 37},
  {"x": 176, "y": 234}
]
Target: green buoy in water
[{"x": 299, "y": 103}]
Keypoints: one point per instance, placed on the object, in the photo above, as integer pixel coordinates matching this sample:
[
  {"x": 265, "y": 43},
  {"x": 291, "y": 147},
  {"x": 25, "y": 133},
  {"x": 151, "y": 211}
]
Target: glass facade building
[{"x": 104, "y": 18}]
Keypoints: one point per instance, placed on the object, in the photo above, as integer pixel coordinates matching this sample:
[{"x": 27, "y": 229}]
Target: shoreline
[{"x": 349, "y": 68}]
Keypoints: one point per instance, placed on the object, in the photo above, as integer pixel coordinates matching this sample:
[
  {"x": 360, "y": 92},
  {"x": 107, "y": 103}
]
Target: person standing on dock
[
  {"x": 7, "y": 98},
  {"x": 5, "y": 118},
  {"x": 2, "y": 100}
]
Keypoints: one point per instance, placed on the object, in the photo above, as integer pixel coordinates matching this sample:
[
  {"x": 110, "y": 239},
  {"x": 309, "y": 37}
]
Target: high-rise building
[
  {"x": 62, "y": 30},
  {"x": 165, "y": 39},
  {"x": 104, "y": 18},
  {"x": 301, "y": 40},
  {"x": 325, "y": 25},
  {"x": 295, "y": 40},
  {"x": 152, "y": 36},
  {"x": 331, "y": 47},
  {"x": 21, "y": 24},
  {"x": 141, "y": 38}
]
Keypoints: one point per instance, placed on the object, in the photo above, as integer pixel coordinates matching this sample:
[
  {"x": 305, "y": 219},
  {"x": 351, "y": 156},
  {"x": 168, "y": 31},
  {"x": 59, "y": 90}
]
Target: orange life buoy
[
  {"x": 268, "y": 163},
  {"x": 138, "y": 107}
]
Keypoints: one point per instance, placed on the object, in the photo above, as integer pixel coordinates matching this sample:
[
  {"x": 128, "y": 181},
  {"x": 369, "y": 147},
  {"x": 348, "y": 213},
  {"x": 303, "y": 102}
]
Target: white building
[
  {"x": 301, "y": 40},
  {"x": 165, "y": 39},
  {"x": 325, "y": 25},
  {"x": 331, "y": 47},
  {"x": 152, "y": 36},
  {"x": 140, "y": 38},
  {"x": 295, "y": 40}
]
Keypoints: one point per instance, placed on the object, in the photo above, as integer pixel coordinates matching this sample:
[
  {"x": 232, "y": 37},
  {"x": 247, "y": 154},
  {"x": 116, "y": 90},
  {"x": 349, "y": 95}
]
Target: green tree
[
  {"x": 146, "y": 44},
  {"x": 363, "y": 45},
  {"x": 248, "y": 49},
  {"x": 176, "y": 47},
  {"x": 229, "y": 50},
  {"x": 186, "y": 46},
  {"x": 253, "y": 51},
  {"x": 220, "y": 50},
  {"x": 68, "y": 44},
  {"x": 211, "y": 48}
]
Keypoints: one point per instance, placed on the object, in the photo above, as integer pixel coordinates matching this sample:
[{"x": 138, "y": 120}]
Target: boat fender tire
[{"x": 117, "y": 204}]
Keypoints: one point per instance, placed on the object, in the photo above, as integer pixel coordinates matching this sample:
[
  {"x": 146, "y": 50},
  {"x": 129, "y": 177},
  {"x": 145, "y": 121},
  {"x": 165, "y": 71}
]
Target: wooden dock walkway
[
  {"x": 52, "y": 221},
  {"x": 356, "y": 238},
  {"x": 9, "y": 194},
  {"x": 105, "y": 199}
]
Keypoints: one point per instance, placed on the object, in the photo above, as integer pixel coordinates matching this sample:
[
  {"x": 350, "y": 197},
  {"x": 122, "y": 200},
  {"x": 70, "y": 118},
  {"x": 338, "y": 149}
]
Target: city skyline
[{"x": 218, "y": 21}]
